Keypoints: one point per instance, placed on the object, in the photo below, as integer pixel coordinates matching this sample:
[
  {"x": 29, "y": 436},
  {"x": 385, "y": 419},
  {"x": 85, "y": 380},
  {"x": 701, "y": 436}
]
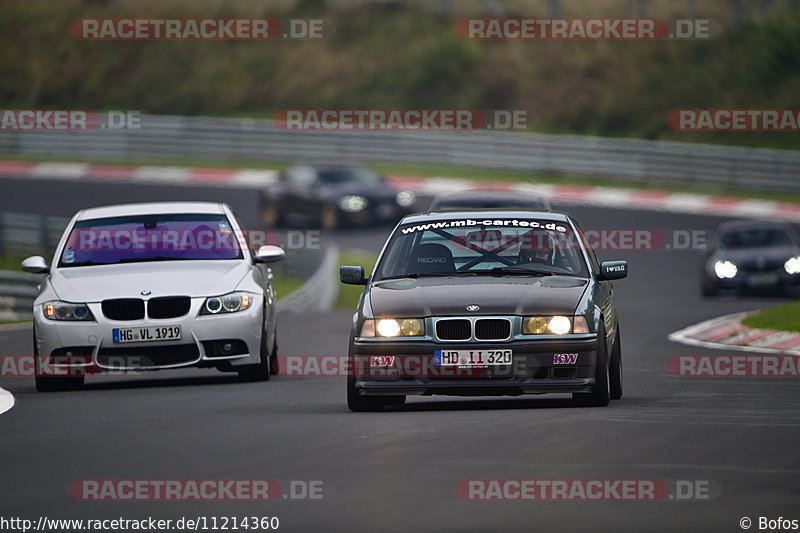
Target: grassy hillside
[{"x": 377, "y": 55}]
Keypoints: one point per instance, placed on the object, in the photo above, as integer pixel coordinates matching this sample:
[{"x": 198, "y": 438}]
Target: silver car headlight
[
  {"x": 725, "y": 269},
  {"x": 353, "y": 203},
  {"x": 57, "y": 310},
  {"x": 792, "y": 265},
  {"x": 406, "y": 198},
  {"x": 227, "y": 303}
]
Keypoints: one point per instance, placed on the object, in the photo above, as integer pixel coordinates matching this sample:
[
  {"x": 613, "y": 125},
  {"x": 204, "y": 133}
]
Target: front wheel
[
  {"x": 271, "y": 214},
  {"x": 329, "y": 217},
  {"x": 615, "y": 373},
  {"x": 362, "y": 404},
  {"x": 260, "y": 370},
  {"x": 601, "y": 392}
]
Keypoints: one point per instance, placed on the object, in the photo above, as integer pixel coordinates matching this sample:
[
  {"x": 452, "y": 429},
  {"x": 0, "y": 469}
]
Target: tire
[
  {"x": 274, "y": 363},
  {"x": 329, "y": 217},
  {"x": 363, "y": 404},
  {"x": 601, "y": 393},
  {"x": 615, "y": 372},
  {"x": 270, "y": 214},
  {"x": 260, "y": 370},
  {"x": 52, "y": 384}
]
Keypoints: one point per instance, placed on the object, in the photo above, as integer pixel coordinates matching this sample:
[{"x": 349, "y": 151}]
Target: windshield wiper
[
  {"x": 415, "y": 275},
  {"x": 518, "y": 270}
]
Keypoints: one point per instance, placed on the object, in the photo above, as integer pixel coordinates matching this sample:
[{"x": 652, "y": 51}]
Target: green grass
[
  {"x": 390, "y": 54},
  {"x": 349, "y": 294},
  {"x": 285, "y": 285},
  {"x": 11, "y": 262},
  {"x": 782, "y": 317}
]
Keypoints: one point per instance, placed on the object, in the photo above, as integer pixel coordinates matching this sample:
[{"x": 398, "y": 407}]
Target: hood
[
  {"x": 166, "y": 278},
  {"x": 758, "y": 258},
  {"x": 557, "y": 295}
]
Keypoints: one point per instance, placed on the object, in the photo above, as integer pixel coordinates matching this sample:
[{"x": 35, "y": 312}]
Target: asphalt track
[{"x": 396, "y": 471}]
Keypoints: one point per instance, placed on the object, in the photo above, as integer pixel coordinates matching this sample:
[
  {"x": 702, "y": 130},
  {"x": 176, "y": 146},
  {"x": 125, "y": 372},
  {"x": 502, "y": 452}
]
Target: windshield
[
  {"x": 754, "y": 238},
  {"x": 502, "y": 247},
  {"x": 144, "y": 238},
  {"x": 346, "y": 175}
]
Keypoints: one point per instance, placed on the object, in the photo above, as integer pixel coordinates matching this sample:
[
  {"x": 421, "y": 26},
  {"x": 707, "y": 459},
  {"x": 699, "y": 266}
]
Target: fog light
[{"x": 227, "y": 347}]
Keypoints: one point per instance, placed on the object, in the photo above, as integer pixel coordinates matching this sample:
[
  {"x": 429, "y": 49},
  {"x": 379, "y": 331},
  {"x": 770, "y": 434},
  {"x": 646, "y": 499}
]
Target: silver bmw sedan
[{"x": 153, "y": 286}]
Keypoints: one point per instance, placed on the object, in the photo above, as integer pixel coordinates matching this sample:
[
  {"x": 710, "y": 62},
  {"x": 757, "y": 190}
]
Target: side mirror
[
  {"x": 352, "y": 275},
  {"x": 269, "y": 254},
  {"x": 35, "y": 265},
  {"x": 613, "y": 270}
]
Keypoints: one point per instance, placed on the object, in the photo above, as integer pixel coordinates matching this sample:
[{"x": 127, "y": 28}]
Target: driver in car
[{"x": 537, "y": 248}]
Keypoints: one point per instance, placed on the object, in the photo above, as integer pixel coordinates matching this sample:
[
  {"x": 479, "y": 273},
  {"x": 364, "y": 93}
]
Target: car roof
[
  {"x": 555, "y": 216},
  {"x": 152, "y": 208},
  {"x": 489, "y": 194}
]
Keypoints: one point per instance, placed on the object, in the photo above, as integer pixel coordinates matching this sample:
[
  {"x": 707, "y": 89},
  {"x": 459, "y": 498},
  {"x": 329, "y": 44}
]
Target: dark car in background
[
  {"x": 752, "y": 256},
  {"x": 489, "y": 199},
  {"x": 333, "y": 195},
  {"x": 485, "y": 303}
]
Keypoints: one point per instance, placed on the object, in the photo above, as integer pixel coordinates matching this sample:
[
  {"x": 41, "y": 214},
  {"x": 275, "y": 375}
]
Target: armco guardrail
[
  {"x": 200, "y": 138},
  {"x": 17, "y": 291}
]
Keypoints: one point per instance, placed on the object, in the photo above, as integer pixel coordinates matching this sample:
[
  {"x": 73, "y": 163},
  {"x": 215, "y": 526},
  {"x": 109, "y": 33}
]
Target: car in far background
[
  {"x": 752, "y": 256},
  {"x": 334, "y": 195},
  {"x": 153, "y": 286},
  {"x": 489, "y": 199}
]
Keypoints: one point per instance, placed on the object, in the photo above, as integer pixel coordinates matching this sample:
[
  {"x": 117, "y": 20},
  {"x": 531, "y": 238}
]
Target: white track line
[
  {"x": 6, "y": 401},
  {"x": 685, "y": 336}
]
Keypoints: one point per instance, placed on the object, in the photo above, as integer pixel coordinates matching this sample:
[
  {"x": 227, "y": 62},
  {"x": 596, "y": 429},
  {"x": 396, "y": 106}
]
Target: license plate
[
  {"x": 763, "y": 280},
  {"x": 146, "y": 334},
  {"x": 471, "y": 358}
]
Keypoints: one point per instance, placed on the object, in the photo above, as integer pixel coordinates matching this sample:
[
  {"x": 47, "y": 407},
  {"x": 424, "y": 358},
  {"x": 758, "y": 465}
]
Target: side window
[{"x": 589, "y": 250}]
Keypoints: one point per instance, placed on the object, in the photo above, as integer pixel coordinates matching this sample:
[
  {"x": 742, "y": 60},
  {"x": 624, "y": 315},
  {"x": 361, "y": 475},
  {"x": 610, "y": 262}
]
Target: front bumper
[
  {"x": 90, "y": 345},
  {"x": 533, "y": 371},
  {"x": 758, "y": 282}
]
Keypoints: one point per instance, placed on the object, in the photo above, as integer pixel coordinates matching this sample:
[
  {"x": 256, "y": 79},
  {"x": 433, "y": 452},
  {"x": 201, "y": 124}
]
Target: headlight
[
  {"x": 725, "y": 269},
  {"x": 554, "y": 325},
  {"x": 227, "y": 303},
  {"x": 66, "y": 311},
  {"x": 390, "y": 327},
  {"x": 792, "y": 265},
  {"x": 406, "y": 198},
  {"x": 353, "y": 203}
]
